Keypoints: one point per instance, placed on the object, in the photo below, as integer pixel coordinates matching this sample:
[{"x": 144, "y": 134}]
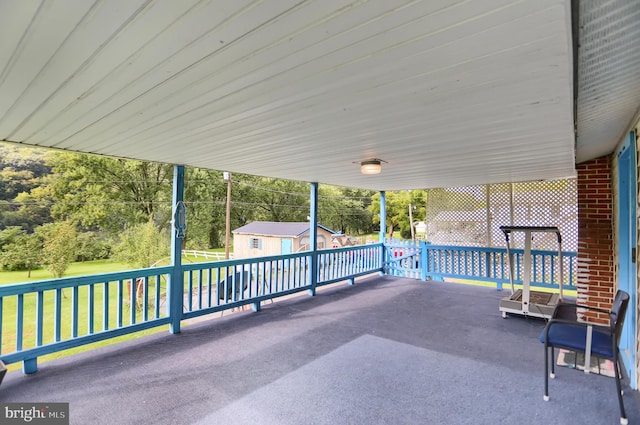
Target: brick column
[{"x": 595, "y": 236}]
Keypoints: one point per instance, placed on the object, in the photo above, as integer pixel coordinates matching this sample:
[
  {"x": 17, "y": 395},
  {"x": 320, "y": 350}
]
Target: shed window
[{"x": 255, "y": 243}]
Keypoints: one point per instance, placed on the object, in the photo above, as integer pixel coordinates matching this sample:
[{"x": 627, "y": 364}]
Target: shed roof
[{"x": 274, "y": 228}]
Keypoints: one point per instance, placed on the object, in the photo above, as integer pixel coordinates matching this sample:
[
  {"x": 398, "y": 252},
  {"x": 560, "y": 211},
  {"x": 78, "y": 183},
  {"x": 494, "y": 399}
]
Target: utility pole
[
  {"x": 413, "y": 232},
  {"x": 227, "y": 177}
]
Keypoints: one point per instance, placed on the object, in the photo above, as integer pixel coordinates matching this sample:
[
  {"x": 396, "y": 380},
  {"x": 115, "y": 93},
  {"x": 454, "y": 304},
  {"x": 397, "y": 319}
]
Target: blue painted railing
[
  {"x": 491, "y": 265},
  {"x": 48, "y": 316},
  {"x": 44, "y": 317},
  {"x": 421, "y": 260},
  {"x": 53, "y": 315},
  {"x": 402, "y": 258}
]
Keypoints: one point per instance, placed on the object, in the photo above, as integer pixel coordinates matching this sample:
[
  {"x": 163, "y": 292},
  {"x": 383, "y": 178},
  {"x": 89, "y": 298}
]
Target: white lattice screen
[{"x": 472, "y": 215}]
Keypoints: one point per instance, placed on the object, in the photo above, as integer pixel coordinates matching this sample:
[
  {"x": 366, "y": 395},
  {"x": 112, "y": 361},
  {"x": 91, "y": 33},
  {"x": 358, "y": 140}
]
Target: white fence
[{"x": 214, "y": 256}]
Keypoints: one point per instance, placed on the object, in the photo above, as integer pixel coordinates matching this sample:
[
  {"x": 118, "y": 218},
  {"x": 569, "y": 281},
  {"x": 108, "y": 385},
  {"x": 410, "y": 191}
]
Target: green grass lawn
[{"x": 75, "y": 269}]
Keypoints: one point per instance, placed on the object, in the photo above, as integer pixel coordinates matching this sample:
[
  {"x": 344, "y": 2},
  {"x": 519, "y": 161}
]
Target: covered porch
[
  {"x": 439, "y": 93},
  {"x": 385, "y": 350}
]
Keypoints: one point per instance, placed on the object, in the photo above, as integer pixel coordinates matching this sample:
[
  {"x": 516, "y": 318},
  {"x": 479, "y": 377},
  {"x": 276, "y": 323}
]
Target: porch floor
[{"x": 384, "y": 351}]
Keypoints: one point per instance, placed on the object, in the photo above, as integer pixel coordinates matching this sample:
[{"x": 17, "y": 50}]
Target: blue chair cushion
[{"x": 575, "y": 338}]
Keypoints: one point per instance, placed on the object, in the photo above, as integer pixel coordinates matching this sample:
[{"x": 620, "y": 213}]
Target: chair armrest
[
  {"x": 568, "y": 311},
  {"x": 578, "y": 324}
]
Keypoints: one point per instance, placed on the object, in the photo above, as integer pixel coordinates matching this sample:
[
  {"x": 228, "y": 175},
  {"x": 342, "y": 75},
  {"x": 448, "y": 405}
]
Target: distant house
[{"x": 261, "y": 238}]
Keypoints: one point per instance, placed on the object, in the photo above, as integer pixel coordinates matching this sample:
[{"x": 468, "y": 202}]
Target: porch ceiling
[{"x": 447, "y": 92}]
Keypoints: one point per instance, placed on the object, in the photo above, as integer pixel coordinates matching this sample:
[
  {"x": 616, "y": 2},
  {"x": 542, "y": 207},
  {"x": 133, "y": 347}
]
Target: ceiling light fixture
[{"x": 371, "y": 166}]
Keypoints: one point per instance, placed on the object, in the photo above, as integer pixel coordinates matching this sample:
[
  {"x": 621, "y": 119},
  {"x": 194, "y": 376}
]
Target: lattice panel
[
  {"x": 500, "y": 200},
  {"x": 472, "y": 215},
  {"x": 548, "y": 203},
  {"x": 457, "y": 216}
]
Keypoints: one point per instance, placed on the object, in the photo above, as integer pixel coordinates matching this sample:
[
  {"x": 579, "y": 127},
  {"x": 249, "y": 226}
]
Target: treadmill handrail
[{"x": 548, "y": 229}]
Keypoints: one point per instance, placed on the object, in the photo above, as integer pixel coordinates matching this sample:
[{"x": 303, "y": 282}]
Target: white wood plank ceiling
[
  {"x": 609, "y": 74},
  {"x": 447, "y": 92}
]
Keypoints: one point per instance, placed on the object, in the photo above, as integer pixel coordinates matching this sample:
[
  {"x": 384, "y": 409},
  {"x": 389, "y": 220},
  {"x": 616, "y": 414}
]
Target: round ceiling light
[{"x": 372, "y": 166}]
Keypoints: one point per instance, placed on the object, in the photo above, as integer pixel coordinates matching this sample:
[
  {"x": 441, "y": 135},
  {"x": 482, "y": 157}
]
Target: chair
[
  {"x": 241, "y": 280},
  {"x": 565, "y": 331}
]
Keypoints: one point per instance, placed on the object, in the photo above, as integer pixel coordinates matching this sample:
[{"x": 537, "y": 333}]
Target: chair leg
[
  {"x": 623, "y": 416},
  {"x": 553, "y": 363},
  {"x": 546, "y": 373}
]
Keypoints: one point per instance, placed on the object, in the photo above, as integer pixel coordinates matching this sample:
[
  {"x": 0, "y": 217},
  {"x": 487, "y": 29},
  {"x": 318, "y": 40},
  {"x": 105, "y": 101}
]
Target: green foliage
[
  {"x": 142, "y": 245},
  {"x": 92, "y": 246},
  {"x": 398, "y": 204},
  {"x": 261, "y": 198},
  {"x": 205, "y": 196},
  {"x": 34, "y": 208},
  {"x": 19, "y": 250},
  {"x": 107, "y": 193},
  {"x": 20, "y": 169},
  {"x": 103, "y": 196},
  {"x": 23, "y": 253},
  {"x": 59, "y": 246},
  {"x": 346, "y": 210}
]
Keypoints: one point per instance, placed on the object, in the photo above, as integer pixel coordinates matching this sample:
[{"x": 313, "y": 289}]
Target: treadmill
[{"x": 525, "y": 301}]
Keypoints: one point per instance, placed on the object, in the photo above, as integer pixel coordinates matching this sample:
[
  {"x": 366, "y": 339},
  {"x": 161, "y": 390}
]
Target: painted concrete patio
[{"x": 385, "y": 351}]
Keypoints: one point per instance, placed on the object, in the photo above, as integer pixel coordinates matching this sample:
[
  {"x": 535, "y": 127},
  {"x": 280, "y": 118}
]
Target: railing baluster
[
  {"x": 280, "y": 284},
  {"x": 39, "y": 317},
  {"x": 90, "y": 308},
  {"x": 157, "y": 293},
  {"x": 145, "y": 299},
  {"x": 133, "y": 300},
  {"x": 120, "y": 303},
  {"x": 209, "y": 294},
  {"x": 58, "y": 315},
  {"x": 190, "y": 290},
  {"x": 105, "y": 306},
  {"x": 200, "y": 289},
  {"x": 74, "y": 312},
  {"x": 19, "y": 321},
  {"x": 218, "y": 288}
]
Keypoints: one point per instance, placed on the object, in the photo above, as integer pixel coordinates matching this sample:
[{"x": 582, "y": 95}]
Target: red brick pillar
[{"x": 595, "y": 236}]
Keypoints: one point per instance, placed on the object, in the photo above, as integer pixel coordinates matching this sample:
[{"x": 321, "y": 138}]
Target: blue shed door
[
  {"x": 286, "y": 245},
  {"x": 627, "y": 239}
]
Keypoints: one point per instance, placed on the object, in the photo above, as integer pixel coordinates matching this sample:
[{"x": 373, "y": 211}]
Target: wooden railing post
[
  {"x": 176, "y": 281},
  {"x": 423, "y": 261},
  {"x": 383, "y": 230},
  {"x": 313, "y": 238}
]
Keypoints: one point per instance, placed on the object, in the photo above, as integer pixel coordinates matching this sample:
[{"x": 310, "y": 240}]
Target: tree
[
  {"x": 345, "y": 210},
  {"x": 107, "y": 193},
  {"x": 9, "y": 235},
  {"x": 142, "y": 245},
  {"x": 59, "y": 248},
  {"x": 23, "y": 253},
  {"x": 267, "y": 199},
  {"x": 92, "y": 246},
  {"x": 398, "y": 209},
  {"x": 204, "y": 196},
  {"x": 34, "y": 208},
  {"x": 20, "y": 169}
]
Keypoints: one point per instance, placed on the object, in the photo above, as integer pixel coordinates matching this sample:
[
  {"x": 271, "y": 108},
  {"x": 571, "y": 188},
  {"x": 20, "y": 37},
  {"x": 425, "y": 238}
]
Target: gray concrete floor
[{"x": 386, "y": 350}]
